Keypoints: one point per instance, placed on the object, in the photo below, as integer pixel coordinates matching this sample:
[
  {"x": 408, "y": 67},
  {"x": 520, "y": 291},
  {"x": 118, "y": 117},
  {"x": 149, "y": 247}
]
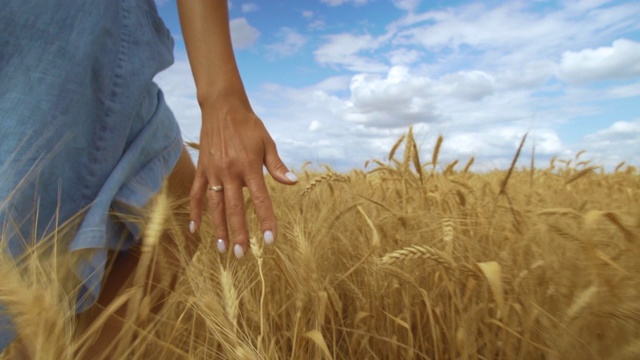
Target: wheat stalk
[
  {"x": 192, "y": 144},
  {"x": 468, "y": 165},
  {"x": 257, "y": 252},
  {"x": 322, "y": 179},
  {"x": 505, "y": 181},
  {"x": 395, "y": 147},
  {"x": 229, "y": 297},
  {"x": 449, "y": 169},
  {"x": 436, "y": 151},
  {"x": 414, "y": 252},
  {"x": 415, "y": 155},
  {"x": 579, "y": 174},
  {"x": 408, "y": 151}
]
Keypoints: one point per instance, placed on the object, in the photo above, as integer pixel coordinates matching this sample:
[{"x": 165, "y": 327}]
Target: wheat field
[{"x": 407, "y": 259}]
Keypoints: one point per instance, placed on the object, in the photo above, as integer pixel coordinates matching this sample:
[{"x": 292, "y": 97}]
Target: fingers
[
  {"x": 196, "y": 197},
  {"x": 234, "y": 206},
  {"x": 226, "y": 207},
  {"x": 263, "y": 207},
  {"x": 215, "y": 202},
  {"x": 275, "y": 166},
  {"x": 218, "y": 217}
]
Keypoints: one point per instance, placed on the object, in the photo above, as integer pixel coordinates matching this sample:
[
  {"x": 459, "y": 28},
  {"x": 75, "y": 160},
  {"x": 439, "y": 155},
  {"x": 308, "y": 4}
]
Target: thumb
[{"x": 276, "y": 167}]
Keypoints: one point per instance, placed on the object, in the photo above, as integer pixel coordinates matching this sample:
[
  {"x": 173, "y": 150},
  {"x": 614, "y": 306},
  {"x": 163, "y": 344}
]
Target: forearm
[{"x": 205, "y": 28}]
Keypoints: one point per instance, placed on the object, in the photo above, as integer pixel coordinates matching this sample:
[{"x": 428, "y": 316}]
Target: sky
[{"x": 337, "y": 82}]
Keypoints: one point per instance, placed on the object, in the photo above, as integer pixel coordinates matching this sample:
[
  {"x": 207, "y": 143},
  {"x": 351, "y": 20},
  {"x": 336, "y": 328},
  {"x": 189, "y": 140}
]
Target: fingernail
[
  {"x": 237, "y": 250},
  {"x": 291, "y": 176},
  {"x": 192, "y": 227},
  {"x": 222, "y": 248},
  {"x": 268, "y": 237}
]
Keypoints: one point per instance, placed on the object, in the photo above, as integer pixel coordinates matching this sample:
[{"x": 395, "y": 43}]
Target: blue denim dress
[{"x": 82, "y": 126}]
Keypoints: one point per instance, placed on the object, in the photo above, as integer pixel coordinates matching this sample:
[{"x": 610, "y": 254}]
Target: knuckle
[
  {"x": 231, "y": 162},
  {"x": 269, "y": 142},
  {"x": 214, "y": 202},
  {"x": 269, "y": 224},
  {"x": 220, "y": 231},
  {"x": 235, "y": 206},
  {"x": 195, "y": 193},
  {"x": 262, "y": 200},
  {"x": 241, "y": 239},
  {"x": 278, "y": 166}
]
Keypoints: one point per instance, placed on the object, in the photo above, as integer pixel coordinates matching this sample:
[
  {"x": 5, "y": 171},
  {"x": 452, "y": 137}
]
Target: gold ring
[{"x": 216, "y": 188}]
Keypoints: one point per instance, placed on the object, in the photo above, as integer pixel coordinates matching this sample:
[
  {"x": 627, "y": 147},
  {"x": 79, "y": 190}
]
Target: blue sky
[{"x": 338, "y": 81}]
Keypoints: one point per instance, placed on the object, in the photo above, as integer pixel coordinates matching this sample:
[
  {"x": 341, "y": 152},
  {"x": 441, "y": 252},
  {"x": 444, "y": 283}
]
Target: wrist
[
  {"x": 223, "y": 83},
  {"x": 224, "y": 106},
  {"x": 214, "y": 97}
]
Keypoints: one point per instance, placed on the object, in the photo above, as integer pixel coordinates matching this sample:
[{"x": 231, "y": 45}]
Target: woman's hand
[
  {"x": 234, "y": 144},
  {"x": 234, "y": 147}
]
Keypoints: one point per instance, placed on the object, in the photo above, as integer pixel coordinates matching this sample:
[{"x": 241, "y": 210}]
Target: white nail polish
[
  {"x": 268, "y": 237},
  {"x": 291, "y": 176},
  {"x": 237, "y": 250},
  {"x": 222, "y": 248},
  {"x": 192, "y": 227}
]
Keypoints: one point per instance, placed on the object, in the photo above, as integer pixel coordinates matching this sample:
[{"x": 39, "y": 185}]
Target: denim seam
[{"x": 102, "y": 140}]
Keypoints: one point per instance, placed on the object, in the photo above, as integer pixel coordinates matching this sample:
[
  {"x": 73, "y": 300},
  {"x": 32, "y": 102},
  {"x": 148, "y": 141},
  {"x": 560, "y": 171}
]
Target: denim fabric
[{"x": 82, "y": 125}]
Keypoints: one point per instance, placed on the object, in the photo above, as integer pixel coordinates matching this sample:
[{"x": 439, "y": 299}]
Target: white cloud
[
  {"x": 243, "y": 35},
  {"x": 547, "y": 142},
  {"x": 404, "y": 56},
  {"x": 408, "y": 5},
  {"x": 332, "y": 84},
  {"x": 402, "y": 98},
  {"x": 624, "y": 91},
  {"x": 392, "y": 101},
  {"x": 604, "y": 146},
  {"x": 317, "y": 24},
  {"x": 618, "y": 131},
  {"x": 474, "y": 25},
  {"x": 531, "y": 74},
  {"x": 291, "y": 42},
  {"x": 584, "y": 5},
  {"x": 513, "y": 33},
  {"x": 314, "y": 126},
  {"x": 477, "y": 117},
  {"x": 619, "y": 61},
  {"x": 501, "y": 141},
  {"x": 468, "y": 85},
  {"x": 504, "y": 38},
  {"x": 249, "y": 7},
  {"x": 314, "y": 23},
  {"x": 343, "y": 49},
  {"x": 342, "y": 2},
  {"x": 180, "y": 93}
]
